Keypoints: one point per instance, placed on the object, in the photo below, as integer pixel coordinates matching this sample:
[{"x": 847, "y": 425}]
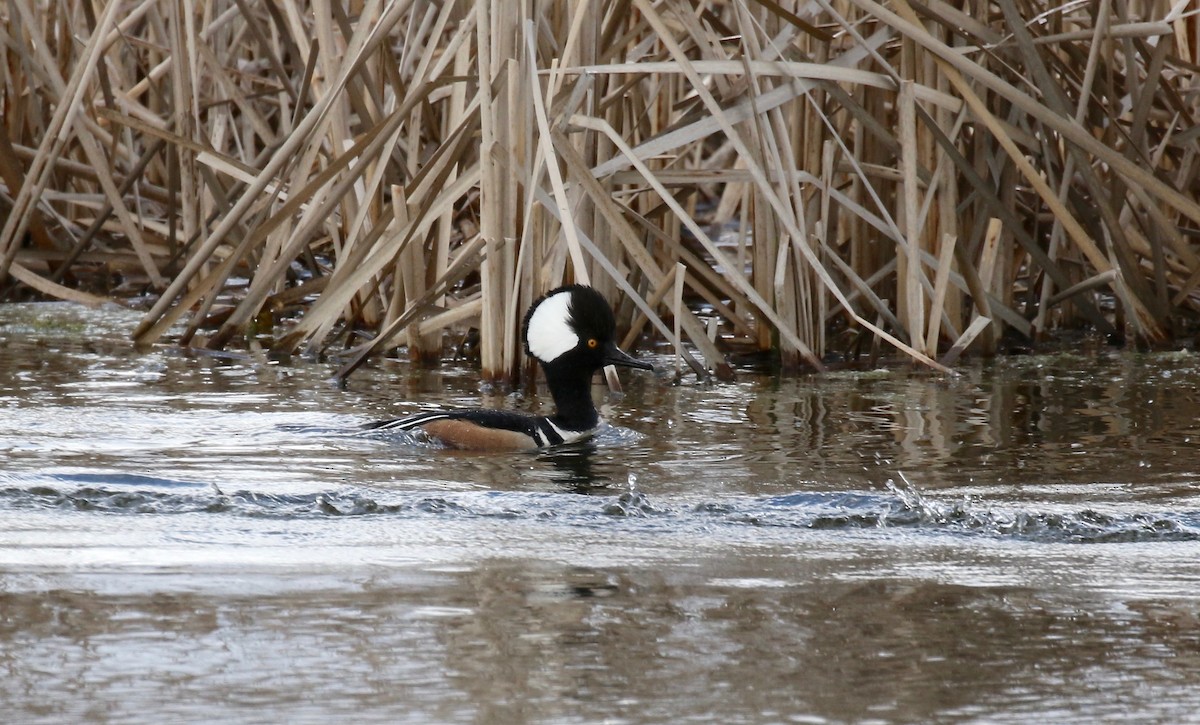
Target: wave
[{"x": 896, "y": 507}]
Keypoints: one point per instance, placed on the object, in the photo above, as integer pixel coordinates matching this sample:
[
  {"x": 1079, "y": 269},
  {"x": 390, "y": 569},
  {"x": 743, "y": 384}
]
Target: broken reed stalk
[{"x": 930, "y": 175}]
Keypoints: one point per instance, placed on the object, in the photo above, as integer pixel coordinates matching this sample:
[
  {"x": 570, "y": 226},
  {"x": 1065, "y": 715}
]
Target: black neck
[{"x": 572, "y": 392}]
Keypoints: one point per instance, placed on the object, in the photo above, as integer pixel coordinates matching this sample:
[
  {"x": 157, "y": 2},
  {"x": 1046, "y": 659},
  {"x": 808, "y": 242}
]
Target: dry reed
[{"x": 764, "y": 174}]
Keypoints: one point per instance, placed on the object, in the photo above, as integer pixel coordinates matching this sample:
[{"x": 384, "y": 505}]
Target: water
[{"x": 193, "y": 538}]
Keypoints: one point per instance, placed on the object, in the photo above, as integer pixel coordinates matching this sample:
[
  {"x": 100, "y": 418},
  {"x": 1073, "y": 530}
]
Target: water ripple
[{"x": 899, "y": 507}]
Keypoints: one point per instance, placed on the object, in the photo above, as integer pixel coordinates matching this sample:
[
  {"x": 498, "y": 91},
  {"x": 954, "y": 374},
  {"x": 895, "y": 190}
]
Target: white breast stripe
[{"x": 570, "y": 436}]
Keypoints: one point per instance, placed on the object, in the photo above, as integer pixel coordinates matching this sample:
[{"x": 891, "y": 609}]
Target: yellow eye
[{"x": 593, "y": 343}]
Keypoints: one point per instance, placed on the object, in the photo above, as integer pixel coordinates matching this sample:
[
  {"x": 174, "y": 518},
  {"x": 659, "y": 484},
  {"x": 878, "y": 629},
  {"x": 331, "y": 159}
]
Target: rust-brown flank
[{"x": 468, "y": 436}]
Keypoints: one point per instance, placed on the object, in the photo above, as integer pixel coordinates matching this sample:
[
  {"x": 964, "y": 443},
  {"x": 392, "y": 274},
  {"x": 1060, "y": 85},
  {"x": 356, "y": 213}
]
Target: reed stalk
[{"x": 735, "y": 175}]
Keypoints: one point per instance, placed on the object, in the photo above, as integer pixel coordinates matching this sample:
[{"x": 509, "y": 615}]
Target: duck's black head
[{"x": 572, "y": 327}]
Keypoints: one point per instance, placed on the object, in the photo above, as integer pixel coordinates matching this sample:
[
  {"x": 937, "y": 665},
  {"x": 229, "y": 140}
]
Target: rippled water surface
[{"x": 193, "y": 538}]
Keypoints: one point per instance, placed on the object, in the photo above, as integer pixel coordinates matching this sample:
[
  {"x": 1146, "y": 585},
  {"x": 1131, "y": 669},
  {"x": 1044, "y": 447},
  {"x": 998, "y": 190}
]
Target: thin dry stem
[{"x": 774, "y": 176}]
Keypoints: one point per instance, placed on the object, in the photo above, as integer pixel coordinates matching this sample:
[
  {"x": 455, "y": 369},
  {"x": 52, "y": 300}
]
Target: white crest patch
[{"x": 550, "y": 334}]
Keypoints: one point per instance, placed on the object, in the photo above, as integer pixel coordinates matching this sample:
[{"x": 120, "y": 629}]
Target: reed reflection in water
[
  {"x": 510, "y": 641},
  {"x": 194, "y": 539}
]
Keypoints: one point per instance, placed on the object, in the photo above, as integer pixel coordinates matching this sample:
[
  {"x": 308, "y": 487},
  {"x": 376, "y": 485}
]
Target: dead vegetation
[{"x": 819, "y": 178}]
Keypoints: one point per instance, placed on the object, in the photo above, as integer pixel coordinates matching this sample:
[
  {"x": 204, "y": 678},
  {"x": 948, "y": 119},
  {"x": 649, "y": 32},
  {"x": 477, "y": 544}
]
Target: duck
[{"x": 570, "y": 332}]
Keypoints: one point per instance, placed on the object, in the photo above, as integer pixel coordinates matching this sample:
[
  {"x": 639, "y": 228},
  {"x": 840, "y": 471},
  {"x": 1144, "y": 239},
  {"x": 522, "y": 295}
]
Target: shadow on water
[{"x": 204, "y": 539}]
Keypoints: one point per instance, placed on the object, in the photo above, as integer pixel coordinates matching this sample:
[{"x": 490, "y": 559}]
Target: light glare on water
[{"x": 203, "y": 539}]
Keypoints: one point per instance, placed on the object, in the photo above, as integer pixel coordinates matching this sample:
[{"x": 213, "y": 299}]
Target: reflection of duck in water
[
  {"x": 574, "y": 468},
  {"x": 570, "y": 332}
]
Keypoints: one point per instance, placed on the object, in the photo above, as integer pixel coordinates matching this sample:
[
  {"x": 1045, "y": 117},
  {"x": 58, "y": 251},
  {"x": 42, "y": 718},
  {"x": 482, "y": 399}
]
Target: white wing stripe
[{"x": 412, "y": 421}]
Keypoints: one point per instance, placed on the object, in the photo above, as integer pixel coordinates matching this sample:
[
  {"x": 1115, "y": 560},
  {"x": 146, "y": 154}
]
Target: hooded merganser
[{"x": 570, "y": 332}]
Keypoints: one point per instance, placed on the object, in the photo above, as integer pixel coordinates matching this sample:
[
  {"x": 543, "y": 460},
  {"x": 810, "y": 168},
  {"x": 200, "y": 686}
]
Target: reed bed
[{"x": 817, "y": 179}]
